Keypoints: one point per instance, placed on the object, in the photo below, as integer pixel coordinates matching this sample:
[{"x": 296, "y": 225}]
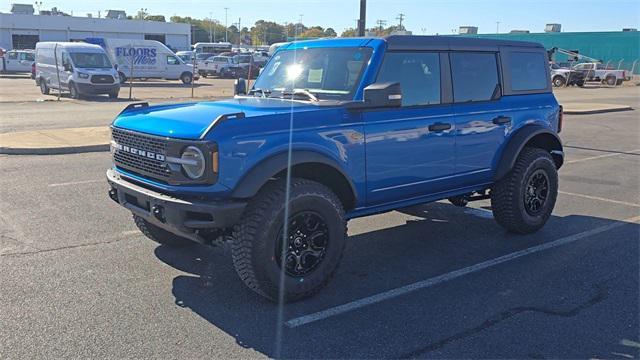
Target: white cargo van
[
  {"x": 151, "y": 59},
  {"x": 82, "y": 69}
]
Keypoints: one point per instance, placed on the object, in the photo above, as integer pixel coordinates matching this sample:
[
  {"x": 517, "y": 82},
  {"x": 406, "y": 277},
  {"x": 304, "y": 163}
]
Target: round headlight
[{"x": 193, "y": 162}]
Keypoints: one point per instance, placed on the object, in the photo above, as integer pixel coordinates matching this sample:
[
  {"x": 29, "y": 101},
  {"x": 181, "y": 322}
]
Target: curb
[{"x": 55, "y": 151}]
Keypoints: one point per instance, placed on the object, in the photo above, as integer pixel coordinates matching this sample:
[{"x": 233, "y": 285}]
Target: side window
[
  {"x": 13, "y": 56},
  {"x": 418, "y": 74},
  {"x": 475, "y": 76},
  {"x": 172, "y": 60},
  {"x": 65, "y": 59},
  {"x": 527, "y": 71}
]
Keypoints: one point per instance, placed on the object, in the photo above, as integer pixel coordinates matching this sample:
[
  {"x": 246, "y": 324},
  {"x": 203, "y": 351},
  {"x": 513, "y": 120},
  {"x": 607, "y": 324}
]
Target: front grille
[
  {"x": 102, "y": 79},
  {"x": 138, "y": 163}
]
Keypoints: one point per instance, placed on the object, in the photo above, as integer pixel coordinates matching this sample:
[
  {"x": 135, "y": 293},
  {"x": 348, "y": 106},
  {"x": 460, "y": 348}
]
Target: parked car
[
  {"x": 336, "y": 129},
  {"x": 223, "y": 66},
  {"x": 562, "y": 76},
  {"x": 600, "y": 73},
  {"x": 186, "y": 56},
  {"x": 17, "y": 61},
  {"x": 247, "y": 66},
  {"x": 82, "y": 69},
  {"x": 151, "y": 59}
]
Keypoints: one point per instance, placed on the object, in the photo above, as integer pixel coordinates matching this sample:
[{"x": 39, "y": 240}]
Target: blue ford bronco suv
[{"x": 336, "y": 129}]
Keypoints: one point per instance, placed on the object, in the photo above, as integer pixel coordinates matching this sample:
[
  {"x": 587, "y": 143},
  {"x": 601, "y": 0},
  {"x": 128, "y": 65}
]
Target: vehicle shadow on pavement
[
  {"x": 177, "y": 84},
  {"x": 437, "y": 238}
]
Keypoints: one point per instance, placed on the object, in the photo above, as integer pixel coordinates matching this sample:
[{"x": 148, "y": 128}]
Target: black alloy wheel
[
  {"x": 536, "y": 192},
  {"x": 306, "y": 243}
]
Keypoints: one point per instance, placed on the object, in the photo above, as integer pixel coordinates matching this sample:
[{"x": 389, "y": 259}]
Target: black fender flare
[
  {"x": 520, "y": 139},
  {"x": 257, "y": 176}
]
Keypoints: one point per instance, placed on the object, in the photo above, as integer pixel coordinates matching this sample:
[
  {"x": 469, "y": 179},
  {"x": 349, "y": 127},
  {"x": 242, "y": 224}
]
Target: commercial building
[
  {"x": 21, "y": 30},
  {"x": 621, "y": 49}
]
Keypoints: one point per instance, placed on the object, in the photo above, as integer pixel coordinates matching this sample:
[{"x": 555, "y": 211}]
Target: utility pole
[
  {"x": 239, "y": 31},
  {"x": 497, "y": 27},
  {"x": 381, "y": 24},
  {"x": 226, "y": 26},
  {"x": 210, "y": 28},
  {"x": 400, "y": 18},
  {"x": 363, "y": 17}
]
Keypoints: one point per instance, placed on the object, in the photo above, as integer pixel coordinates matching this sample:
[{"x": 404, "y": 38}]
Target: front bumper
[
  {"x": 185, "y": 218},
  {"x": 92, "y": 89}
]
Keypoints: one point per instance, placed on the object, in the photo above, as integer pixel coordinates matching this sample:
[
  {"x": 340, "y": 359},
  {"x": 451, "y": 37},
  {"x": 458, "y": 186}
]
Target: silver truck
[{"x": 601, "y": 73}]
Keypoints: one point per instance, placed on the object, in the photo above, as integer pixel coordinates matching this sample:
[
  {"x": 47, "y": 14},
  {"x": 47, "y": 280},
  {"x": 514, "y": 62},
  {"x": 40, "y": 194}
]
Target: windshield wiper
[
  {"x": 304, "y": 92},
  {"x": 264, "y": 92}
]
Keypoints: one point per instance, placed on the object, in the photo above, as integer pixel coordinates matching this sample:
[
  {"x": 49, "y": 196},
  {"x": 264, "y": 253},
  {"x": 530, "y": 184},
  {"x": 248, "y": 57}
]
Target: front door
[
  {"x": 173, "y": 67},
  {"x": 410, "y": 151}
]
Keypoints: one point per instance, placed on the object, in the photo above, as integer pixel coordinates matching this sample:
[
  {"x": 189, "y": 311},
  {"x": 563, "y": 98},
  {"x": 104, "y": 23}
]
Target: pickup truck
[
  {"x": 600, "y": 73},
  {"x": 561, "y": 76}
]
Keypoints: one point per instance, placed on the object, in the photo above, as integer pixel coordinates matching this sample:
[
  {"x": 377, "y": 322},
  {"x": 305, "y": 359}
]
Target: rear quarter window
[{"x": 528, "y": 72}]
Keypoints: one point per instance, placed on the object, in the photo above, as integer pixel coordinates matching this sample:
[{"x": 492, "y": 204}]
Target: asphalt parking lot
[{"x": 435, "y": 281}]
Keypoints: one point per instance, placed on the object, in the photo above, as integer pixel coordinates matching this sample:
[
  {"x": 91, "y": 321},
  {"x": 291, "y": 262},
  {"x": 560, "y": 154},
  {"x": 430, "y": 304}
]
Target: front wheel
[
  {"x": 558, "y": 81},
  {"x": 186, "y": 78},
  {"x": 73, "y": 91},
  {"x": 523, "y": 200},
  {"x": 611, "y": 80},
  {"x": 113, "y": 95},
  {"x": 305, "y": 253},
  {"x": 44, "y": 89}
]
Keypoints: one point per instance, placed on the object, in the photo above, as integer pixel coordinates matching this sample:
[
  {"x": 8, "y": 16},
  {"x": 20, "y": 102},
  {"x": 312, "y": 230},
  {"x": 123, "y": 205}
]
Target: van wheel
[
  {"x": 44, "y": 89},
  {"x": 123, "y": 77},
  {"x": 610, "y": 80},
  {"x": 186, "y": 78},
  {"x": 523, "y": 200},
  {"x": 113, "y": 95},
  {"x": 73, "y": 91},
  {"x": 159, "y": 235},
  {"x": 306, "y": 256},
  {"x": 580, "y": 83},
  {"x": 558, "y": 81}
]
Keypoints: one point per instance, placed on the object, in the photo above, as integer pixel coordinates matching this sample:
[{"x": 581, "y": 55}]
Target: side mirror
[
  {"x": 240, "y": 87},
  {"x": 115, "y": 66},
  {"x": 67, "y": 67},
  {"x": 383, "y": 95}
]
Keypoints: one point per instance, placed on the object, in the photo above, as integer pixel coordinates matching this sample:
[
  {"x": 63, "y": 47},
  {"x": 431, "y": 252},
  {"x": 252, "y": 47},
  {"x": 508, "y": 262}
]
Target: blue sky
[{"x": 422, "y": 16}]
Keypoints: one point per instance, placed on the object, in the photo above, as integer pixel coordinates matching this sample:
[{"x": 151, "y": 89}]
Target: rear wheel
[
  {"x": 558, "y": 81},
  {"x": 523, "y": 200},
  {"x": 44, "y": 89},
  {"x": 610, "y": 80},
  {"x": 619, "y": 82},
  {"x": 306, "y": 252},
  {"x": 123, "y": 77},
  {"x": 159, "y": 235}
]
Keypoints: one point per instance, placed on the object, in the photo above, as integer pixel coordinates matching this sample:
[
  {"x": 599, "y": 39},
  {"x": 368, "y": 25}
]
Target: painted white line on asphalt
[
  {"x": 600, "y": 199},
  {"x": 340, "y": 309},
  {"x": 600, "y": 157},
  {"x": 76, "y": 183}
]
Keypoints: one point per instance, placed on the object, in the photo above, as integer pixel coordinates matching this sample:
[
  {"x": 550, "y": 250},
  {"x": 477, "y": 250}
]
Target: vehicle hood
[{"x": 191, "y": 120}]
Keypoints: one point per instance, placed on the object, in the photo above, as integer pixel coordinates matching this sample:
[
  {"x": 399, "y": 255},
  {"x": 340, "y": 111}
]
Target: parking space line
[
  {"x": 390, "y": 294},
  {"x": 602, "y": 156},
  {"x": 600, "y": 199},
  {"x": 76, "y": 183}
]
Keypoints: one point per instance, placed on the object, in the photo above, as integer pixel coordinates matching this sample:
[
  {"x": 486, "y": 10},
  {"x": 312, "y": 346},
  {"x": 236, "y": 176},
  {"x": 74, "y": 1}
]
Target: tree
[
  {"x": 159, "y": 18},
  {"x": 329, "y": 32},
  {"x": 351, "y": 32},
  {"x": 267, "y": 32},
  {"x": 312, "y": 33}
]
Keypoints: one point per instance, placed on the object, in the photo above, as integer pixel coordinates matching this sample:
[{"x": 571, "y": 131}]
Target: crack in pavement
[
  {"x": 600, "y": 296},
  {"x": 16, "y": 254}
]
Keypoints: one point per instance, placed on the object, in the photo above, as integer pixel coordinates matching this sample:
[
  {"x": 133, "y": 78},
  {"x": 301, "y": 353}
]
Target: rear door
[
  {"x": 482, "y": 116},
  {"x": 410, "y": 151}
]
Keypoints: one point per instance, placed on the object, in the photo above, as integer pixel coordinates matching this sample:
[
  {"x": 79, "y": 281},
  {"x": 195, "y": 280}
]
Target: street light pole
[
  {"x": 226, "y": 25},
  {"x": 363, "y": 16},
  {"x": 210, "y": 28}
]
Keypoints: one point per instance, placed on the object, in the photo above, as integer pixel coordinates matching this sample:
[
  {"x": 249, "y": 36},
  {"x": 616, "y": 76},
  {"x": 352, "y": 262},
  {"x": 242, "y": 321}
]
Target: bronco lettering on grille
[{"x": 131, "y": 150}]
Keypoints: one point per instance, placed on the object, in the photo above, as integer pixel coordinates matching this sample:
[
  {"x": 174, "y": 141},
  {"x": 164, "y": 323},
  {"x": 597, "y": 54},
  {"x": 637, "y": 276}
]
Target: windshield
[
  {"x": 328, "y": 73},
  {"x": 90, "y": 60}
]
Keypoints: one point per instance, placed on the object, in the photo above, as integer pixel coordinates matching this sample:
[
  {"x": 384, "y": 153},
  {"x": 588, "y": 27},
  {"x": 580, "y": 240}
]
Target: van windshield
[
  {"x": 327, "y": 73},
  {"x": 90, "y": 60}
]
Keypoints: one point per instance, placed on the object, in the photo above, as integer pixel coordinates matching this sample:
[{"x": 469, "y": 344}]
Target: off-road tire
[
  {"x": 559, "y": 81},
  {"x": 256, "y": 237},
  {"x": 44, "y": 89},
  {"x": 507, "y": 195},
  {"x": 159, "y": 235}
]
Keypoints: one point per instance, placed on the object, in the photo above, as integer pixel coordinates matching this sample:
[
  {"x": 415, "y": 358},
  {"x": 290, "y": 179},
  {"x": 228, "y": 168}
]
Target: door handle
[
  {"x": 438, "y": 127},
  {"x": 501, "y": 120}
]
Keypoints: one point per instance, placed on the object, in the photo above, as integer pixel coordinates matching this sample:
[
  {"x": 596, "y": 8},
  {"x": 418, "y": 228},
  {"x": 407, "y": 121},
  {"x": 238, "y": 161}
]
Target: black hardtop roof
[{"x": 417, "y": 42}]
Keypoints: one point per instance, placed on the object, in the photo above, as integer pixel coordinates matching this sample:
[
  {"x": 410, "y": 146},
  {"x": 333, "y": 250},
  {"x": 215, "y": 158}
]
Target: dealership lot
[{"x": 78, "y": 280}]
